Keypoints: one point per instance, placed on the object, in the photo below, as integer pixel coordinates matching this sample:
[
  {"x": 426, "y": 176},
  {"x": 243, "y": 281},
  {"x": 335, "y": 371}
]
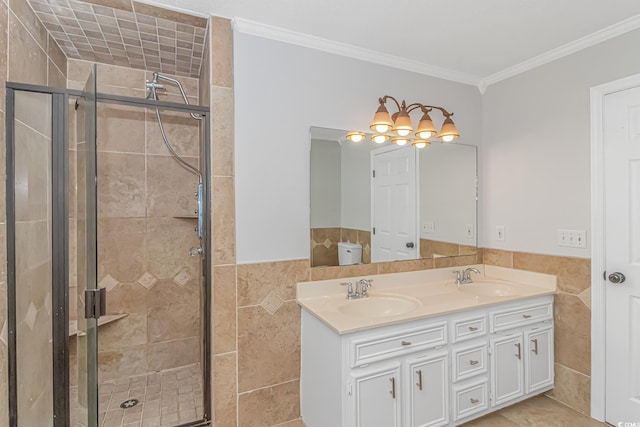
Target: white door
[
  {"x": 393, "y": 204},
  {"x": 507, "y": 379},
  {"x": 621, "y": 140},
  {"x": 376, "y": 400},
  {"x": 428, "y": 391}
]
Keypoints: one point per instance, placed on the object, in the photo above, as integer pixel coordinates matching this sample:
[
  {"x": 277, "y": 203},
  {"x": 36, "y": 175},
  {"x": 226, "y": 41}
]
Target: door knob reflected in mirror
[
  {"x": 617, "y": 277},
  {"x": 410, "y": 245}
]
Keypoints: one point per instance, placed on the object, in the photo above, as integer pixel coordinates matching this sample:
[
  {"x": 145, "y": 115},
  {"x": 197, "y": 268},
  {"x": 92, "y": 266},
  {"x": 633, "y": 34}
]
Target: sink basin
[
  {"x": 379, "y": 306},
  {"x": 489, "y": 289}
]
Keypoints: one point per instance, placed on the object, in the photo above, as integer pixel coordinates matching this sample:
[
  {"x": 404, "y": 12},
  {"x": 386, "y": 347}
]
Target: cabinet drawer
[
  {"x": 470, "y": 399},
  {"x": 520, "y": 316},
  {"x": 380, "y": 347},
  {"x": 469, "y": 361},
  {"x": 466, "y": 329}
]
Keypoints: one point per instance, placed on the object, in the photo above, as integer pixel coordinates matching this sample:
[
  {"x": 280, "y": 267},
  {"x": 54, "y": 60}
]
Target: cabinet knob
[
  {"x": 474, "y": 401},
  {"x": 473, "y": 362},
  {"x": 473, "y": 328},
  {"x": 526, "y": 316},
  {"x": 406, "y": 342}
]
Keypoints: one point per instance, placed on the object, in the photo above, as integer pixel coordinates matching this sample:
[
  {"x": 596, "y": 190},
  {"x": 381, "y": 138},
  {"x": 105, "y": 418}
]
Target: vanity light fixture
[
  {"x": 400, "y": 122},
  {"x": 421, "y": 143},
  {"x": 355, "y": 136}
]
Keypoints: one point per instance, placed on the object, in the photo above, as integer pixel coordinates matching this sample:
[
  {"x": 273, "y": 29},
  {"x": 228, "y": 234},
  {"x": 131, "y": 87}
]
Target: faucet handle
[
  {"x": 459, "y": 276},
  {"x": 349, "y": 286}
]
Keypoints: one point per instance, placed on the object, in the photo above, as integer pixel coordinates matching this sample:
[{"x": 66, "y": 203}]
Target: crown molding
[
  {"x": 600, "y": 36},
  {"x": 292, "y": 37}
]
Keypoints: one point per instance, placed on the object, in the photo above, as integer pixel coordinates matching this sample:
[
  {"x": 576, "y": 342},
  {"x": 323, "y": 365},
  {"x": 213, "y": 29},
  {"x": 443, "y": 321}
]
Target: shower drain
[{"x": 129, "y": 403}]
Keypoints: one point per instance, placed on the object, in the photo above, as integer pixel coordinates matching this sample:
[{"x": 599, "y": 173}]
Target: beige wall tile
[
  {"x": 294, "y": 423},
  {"x": 222, "y": 49},
  {"x": 171, "y": 187},
  {"x": 498, "y": 257},
  {"x": 574, "y": 274},
  {"x": 224, "y": 390},
  {"x": 168, "y": 244},
  {"x": 113, "y": 75},
  {"x": 127, "y": 298},
  {"x": 269, "y": 406},
  {"x": 572, "y": 333},
  {"x": 172, "y": 354},
  {"x": 116, "y": 4},
  {"x": 224, "y": 222},
  {"x": 222, "y": 131},
  {"x": 204, "y": 82},
  {"x": 122, "y": 248},
  {"x": 572, "y": 388},
  {"x": 402, "y": 266},
  {"x": 4, "y": 408},
  {"x": 256, "y": 281},
  {"x": 326, "y": 273},
  {"x": 173, "y": 311},
  {"x": 181, "y": 129},
  {"x": 30, "y": 21},
  {"x": 56, "y": 55},
  {"x": 55, "y": 78},
  {"x": 120, "y": 128},
  {"x": 27, "y": 62},
  {"x": 347, "y": 235},
  {"x": 320, "y": 235},
  {"x": 321, "y": 256},
  {"x": 121, "y": 191},
  {"x": 275, "y": 339},
  {"x": 224, "y": 309},
  {"x": 4, "y": 10},
  {"x": 126, "y": 332},
  {"x": 457, "y": 261},
  {"x": 122, "y": 362}
]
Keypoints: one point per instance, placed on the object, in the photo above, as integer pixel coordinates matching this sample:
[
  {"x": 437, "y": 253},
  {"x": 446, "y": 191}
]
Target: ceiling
[{"x": 473, "y": 41}]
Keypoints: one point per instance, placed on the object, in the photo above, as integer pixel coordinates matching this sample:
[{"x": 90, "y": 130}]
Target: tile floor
[
  {"x": 539, "y": 411},
  {"x": 165, "y": 398}
]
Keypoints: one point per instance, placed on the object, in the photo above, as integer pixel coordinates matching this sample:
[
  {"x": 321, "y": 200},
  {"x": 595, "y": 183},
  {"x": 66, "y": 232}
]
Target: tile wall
[
  {"x": 324, "y": 244},
  {"x": 145, "y": 199},
  {"x": 27, "y": 55}
]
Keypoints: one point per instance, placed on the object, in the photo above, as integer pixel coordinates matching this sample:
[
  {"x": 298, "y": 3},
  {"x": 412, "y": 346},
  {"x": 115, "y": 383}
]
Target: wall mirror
[{"x": 422, "y": 202}]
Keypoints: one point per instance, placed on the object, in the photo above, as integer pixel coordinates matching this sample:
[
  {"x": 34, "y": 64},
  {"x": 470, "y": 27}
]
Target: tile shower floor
[{"x": 165, "y": 398}]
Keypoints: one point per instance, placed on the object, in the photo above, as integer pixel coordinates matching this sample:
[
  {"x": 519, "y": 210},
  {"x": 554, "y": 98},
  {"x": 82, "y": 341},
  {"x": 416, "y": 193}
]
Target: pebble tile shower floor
[{"x": 166, "y": 398}]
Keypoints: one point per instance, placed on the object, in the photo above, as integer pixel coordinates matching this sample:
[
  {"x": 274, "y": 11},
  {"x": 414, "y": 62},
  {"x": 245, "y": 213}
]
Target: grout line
[{"x": 269, "y": 386}]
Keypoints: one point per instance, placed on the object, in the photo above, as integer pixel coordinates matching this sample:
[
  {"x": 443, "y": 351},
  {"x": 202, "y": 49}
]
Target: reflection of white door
[
  {"x": 393, "y": 204},
  {"x": 621, "y": 141}
]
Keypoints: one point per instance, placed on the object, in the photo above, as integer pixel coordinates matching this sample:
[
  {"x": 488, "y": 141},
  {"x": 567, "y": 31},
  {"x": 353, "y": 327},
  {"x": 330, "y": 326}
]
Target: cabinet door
[
  {"x": 428, "y": 384},
  {"x": 376, "y": 397},
  {"x": 507, "y": 382},
  {"x": 538, "y": 358}
]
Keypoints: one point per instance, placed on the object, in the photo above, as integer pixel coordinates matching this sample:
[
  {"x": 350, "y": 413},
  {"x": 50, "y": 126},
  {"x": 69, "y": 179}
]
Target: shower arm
[{"x": 157, "y": 76}]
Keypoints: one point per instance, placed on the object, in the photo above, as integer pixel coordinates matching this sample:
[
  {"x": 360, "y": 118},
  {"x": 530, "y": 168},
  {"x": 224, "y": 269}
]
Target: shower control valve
[{"x": 196, "y": 251}]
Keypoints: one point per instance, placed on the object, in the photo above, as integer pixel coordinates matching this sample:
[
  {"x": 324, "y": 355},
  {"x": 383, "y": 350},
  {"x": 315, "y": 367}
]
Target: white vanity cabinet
[{"x": 437, "y": 371}]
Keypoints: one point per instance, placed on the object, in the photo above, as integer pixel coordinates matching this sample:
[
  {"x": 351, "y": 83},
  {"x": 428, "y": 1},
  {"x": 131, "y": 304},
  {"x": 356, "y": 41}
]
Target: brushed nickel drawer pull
[
  {"x": 535, "y": 345},
  {"x": 519, "y": 355},
  {"x": 473, "y": 328},
  {"x": 473, "y": 362},
  {"x": 393, "y": 387},
  {"x": 406, "y": 342},
  {"x": 474, "y": 401},
  {"x": 526, "y": 316},
  {"x": 419, "y": 384}
]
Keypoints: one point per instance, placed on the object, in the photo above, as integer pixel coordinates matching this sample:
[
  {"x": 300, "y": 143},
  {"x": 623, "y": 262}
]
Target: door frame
[
  {"x": 387, "y": 149},
  {"x": 598, "y": 259}
]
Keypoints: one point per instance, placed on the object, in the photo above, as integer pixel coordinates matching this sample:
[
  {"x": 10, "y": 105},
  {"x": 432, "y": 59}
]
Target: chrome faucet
[
  {"x": 464, "y": 276},
  {"x": 364, "y": 284}
]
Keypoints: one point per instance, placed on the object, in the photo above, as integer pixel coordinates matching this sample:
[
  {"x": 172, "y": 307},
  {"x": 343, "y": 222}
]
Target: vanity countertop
[{"x": 403, "y": 297}]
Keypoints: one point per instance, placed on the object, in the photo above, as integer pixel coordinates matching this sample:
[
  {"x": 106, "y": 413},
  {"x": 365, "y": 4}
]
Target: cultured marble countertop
[{"x": 432, "y": 292}]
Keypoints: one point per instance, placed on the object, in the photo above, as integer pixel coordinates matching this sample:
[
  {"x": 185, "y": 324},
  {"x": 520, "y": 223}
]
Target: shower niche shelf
[
  {"x": 186, "y": 216},
  {"x": 73, "y": 324}
]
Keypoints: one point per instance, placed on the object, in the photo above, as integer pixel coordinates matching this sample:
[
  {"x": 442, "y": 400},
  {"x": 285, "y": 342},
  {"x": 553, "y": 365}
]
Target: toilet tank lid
[{"x": 349, "y": 245}]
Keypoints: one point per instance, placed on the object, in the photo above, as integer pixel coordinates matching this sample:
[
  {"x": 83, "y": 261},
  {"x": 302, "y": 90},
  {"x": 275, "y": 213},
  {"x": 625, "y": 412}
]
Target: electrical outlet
[
  {"x": 428, "y": 227},
  {"x": 572, "y": 238},
  {"x": 468, "y": 230},
  {"x": 500, "y": 233}
]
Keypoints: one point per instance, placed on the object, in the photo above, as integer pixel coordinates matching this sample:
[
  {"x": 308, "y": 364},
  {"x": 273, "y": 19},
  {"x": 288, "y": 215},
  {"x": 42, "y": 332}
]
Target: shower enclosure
[{"x": 107, "y": 252}]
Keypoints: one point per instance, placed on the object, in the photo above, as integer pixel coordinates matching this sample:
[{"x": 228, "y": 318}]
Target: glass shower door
[{"x": 88, "y": 296}]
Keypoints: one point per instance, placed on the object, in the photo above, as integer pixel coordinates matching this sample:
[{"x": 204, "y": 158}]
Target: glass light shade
[
  {"x": 421, "y": 143},
  {"x": 354, "y": 136},
  {"x": 448, "y": 132},
  {"x": 381, "y": 120},
  {"x": 426, "y": 129},
  {"x": 402, "y": 123},
  {"x": 379, "y": 139},
  {"x": 400, "y": 140}
]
